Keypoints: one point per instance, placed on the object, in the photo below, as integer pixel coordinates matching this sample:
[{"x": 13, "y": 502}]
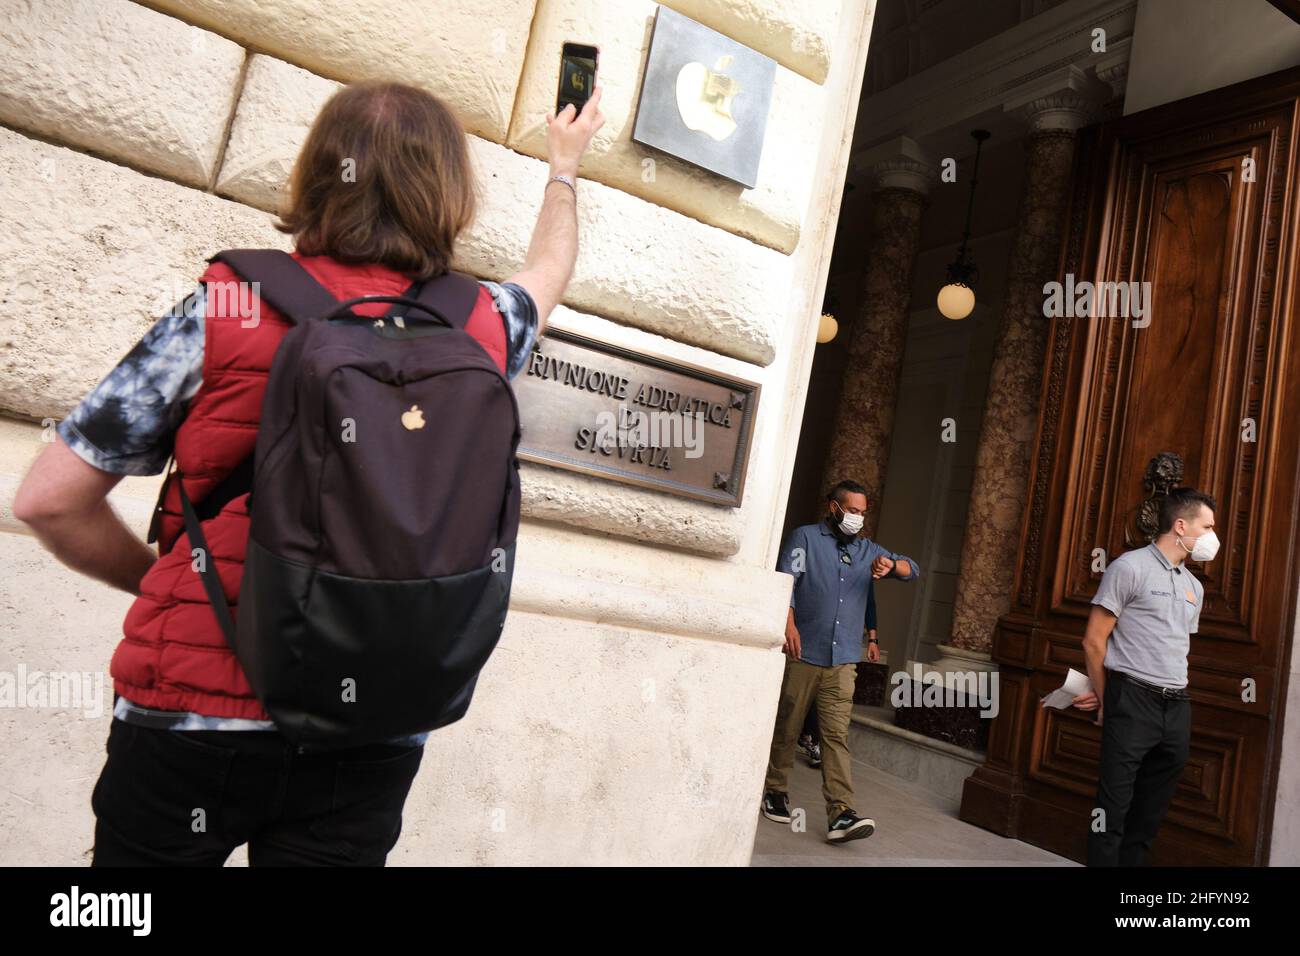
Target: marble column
[
  {"x": 992, "y": 536},
  {"x": 864, "y": 418}
]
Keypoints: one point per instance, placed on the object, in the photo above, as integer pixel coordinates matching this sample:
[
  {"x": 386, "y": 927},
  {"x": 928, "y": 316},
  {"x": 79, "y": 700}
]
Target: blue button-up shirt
[{"x": 830, "y": 597}]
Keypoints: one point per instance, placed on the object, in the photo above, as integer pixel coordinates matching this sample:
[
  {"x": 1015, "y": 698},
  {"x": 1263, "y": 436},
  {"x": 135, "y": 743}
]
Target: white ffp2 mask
[{"x": 1206, "y": 547}]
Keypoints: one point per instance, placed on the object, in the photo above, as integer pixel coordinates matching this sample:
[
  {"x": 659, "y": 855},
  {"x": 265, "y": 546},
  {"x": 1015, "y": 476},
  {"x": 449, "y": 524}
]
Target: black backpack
[{"x": 384, "y": 510}]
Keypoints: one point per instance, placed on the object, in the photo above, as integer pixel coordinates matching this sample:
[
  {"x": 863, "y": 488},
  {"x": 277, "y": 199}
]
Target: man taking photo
[{"x": 187, "y": 730}]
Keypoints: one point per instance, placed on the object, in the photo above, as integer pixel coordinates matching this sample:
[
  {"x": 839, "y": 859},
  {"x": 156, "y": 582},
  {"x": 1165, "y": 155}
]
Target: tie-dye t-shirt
[{"x": 127, "y": 423}]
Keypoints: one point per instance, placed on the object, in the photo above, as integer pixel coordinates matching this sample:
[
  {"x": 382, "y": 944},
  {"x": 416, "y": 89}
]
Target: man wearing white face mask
[
  {"x": 833, "y": 570},
  {"x": 1135, "y": 647}
]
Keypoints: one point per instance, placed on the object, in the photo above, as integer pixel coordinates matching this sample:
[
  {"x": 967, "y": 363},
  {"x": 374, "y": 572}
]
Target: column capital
[
  {"x": 902, "y": 173},
  {"x": 898, "y": 163},
  {"x": 1112, "y": 67},
  {"x": 1064, "y": 101}
]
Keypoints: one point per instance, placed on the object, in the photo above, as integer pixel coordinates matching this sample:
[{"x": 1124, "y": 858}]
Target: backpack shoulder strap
[
  {"x": 282, "y": 282},
  {"x": 211, "y": 579},
  {"x": 453, "y": 295}
]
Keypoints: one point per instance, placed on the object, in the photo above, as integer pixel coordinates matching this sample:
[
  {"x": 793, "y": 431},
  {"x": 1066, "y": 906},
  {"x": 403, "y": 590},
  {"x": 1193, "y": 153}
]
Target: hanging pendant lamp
[{"x": 957, "y": 299}]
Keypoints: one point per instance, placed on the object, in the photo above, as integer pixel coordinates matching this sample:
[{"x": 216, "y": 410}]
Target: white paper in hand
[{"x": 1076, "y": 683}]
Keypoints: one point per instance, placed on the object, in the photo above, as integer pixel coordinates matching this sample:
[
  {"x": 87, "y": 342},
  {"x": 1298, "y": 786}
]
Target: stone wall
[{"x": 626, "y": 716}]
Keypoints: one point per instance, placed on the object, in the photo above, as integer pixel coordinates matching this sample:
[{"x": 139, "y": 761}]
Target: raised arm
[
  {"x": 553, "y": 249},
  {"x": 889, "y": 564}
]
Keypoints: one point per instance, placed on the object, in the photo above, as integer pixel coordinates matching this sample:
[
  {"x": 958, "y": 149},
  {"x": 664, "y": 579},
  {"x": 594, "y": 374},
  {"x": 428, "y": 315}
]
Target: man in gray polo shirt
[{"x": 1135, "y": 647}]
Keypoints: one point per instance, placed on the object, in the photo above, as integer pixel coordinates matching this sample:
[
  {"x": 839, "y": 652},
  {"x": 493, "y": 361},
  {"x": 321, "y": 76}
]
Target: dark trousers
[
  {"x": 189, "y": 798},
  {"x": 811, "y": 727},
  {"x": 1144, "y": 746}
]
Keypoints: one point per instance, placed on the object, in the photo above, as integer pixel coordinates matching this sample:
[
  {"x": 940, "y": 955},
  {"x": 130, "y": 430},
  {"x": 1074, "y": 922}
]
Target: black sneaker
[
  {"x": 849, "y": 826},
  {"x": 776, "y": 807},
  {"x": 811, "y": 750}
]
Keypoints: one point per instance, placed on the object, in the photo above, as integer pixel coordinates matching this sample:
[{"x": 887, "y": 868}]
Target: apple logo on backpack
[{"x": 413, "y": 418}]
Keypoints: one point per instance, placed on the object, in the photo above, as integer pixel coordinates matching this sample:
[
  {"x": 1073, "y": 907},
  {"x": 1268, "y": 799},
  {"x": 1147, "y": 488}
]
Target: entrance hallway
[{"x": 914, "y": 827}]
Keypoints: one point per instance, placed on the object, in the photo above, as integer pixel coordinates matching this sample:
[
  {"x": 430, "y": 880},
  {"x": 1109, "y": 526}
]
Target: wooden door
[{"x": 1197, "y": 198}]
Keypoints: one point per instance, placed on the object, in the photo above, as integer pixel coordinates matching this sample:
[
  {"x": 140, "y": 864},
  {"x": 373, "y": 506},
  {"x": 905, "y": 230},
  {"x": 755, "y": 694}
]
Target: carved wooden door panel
[{"x": 1196, "y": 203}]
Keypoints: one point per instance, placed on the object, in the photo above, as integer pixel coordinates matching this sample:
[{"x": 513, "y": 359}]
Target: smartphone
[{"x": 577, "y": 75}]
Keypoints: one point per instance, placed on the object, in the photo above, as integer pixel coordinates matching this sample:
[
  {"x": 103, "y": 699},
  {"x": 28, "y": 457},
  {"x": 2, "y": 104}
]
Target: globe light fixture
[
  {"x": 956, "y": 300},
  {"x": 827, "y": 328}
]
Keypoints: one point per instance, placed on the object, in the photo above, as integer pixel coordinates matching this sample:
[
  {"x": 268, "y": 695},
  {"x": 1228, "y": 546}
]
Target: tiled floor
[{"x": 914, "y": 827}]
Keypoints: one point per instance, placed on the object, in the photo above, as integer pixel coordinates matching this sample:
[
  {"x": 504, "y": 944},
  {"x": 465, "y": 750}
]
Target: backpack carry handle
[{"x": 344, "y": 308}]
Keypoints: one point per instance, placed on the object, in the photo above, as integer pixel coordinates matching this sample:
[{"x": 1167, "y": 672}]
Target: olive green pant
[{"x": 830, "y": 689}]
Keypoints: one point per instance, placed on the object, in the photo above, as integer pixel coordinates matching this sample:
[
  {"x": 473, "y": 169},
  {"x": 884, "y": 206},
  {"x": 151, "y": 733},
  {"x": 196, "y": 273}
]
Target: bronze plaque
[{"x": 607, "y": 411}]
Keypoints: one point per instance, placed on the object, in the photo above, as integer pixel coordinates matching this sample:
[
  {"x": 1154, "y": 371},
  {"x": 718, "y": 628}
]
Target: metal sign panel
[{"x": 704, "y": 98}]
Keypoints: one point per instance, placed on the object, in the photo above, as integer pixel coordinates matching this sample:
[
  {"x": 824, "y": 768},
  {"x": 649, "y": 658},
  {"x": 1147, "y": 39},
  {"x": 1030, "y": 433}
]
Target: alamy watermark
[
  {"x": 127, "y": 910},
  {"x": 1099, "y": 300},
  {"x": 235, "y": 299},
  {"x": 53, "y": 690},
  {"x": 921, "y": 688},
  {"x": 642, "y": 430}
]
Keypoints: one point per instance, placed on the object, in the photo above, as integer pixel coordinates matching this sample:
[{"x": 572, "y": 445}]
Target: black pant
[
  {"x": 1145, "y": 740},
  {"x": 189, "y": 798},
  {"x": 810, "y": 726}
]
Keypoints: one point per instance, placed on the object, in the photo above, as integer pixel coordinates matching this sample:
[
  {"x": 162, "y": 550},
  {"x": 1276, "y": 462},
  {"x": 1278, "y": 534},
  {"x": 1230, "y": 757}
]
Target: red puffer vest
[{"x": 173, "y": 655}]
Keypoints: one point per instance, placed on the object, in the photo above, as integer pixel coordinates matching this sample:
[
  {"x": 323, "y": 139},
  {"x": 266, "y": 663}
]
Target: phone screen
[{"x": 577, "y": 76}]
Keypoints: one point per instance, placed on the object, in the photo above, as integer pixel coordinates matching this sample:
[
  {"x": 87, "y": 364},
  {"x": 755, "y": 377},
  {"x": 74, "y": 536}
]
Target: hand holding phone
[
  {"x": 569, "y": 131},
  {"x": 578, "y": 64}
]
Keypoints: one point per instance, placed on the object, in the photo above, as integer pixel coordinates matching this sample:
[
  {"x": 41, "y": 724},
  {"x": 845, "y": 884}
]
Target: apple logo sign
[
  {"x": 704, "y": 98},
  {"x": 413, "y": 419}
]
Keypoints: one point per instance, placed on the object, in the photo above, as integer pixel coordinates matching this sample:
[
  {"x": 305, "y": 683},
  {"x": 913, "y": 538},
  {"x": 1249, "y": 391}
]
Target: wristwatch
[{"x": 567, "y": 180}]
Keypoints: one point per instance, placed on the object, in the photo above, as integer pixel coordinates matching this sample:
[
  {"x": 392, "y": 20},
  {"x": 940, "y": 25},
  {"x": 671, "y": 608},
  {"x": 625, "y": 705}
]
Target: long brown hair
[{"x": 384, "y": 177}]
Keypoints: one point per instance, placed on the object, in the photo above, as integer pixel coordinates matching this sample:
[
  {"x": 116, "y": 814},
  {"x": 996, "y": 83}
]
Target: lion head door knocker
[{"x": 1164, "y": 473}]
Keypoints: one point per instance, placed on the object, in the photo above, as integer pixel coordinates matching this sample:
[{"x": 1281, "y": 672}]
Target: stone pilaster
[
  {"x": 992, "y": 536},
  {"x": 864, "y": 418}
]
